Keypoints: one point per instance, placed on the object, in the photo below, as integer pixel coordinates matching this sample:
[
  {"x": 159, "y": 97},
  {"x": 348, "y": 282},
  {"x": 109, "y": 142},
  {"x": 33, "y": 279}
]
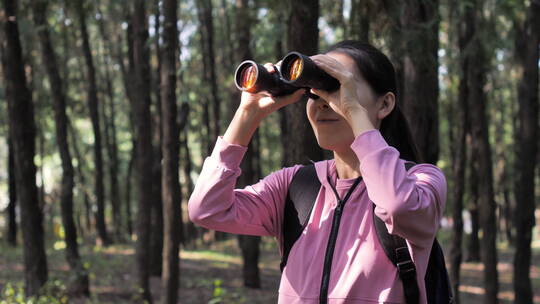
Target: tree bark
[
  {"x": 79, "y": 286},
  {"x": 458, "y": 148},
  {"x": 12, "y": 206},
  {"x": 22, "y": 129},
  {"x": 82, "y": 179},
  {"x": 359, "y": 20},
  {"x": 481, "y": 150},
  {"x": 420, "y": 25},
  {"x": 110, "y": 125},
  {"x": 207, "y": 25},
  {"x": 527, "y": 49},
  {"x": 191, "y": 231},
  {"x": 93, "y": 106},
  {"x": 170, "y": 149},
  {"x": 156, "y": 239},
  {"x": 302, "y": 36},
  {"x": 249, "y": 245},
  {"x": 144, "y": 146}
]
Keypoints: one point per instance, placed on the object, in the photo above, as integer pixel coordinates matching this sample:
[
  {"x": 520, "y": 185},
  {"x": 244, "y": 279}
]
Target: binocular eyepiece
[{"x": 297, "y": 71}]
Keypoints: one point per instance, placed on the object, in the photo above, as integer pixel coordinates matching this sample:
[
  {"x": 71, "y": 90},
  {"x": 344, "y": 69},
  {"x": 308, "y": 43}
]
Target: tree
[
  {"x": 22, "y": 130},
  {"x": 80, "y": 284},
  {"x": 170, "y": 149},
  {"x": 249, "y": 245},
  {"x": 481, "y": 150},
  {"x": 414, "y": 48},
  {"x": 156, "y": 239},
  {"x": 302, "y": 36},
  {"x": 12, "y": 217},
  {"x": 111, "y": 141},
  {"x": 93, "y": 106},
  {"x": 143, "y": 135},
  {"x": 458, "y": 153},
  {"x": 527, "y": 53},
  {"x": 359, "y": 20}
]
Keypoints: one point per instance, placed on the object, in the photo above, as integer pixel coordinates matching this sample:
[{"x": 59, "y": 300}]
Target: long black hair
[{"x": 380, "y": 74}]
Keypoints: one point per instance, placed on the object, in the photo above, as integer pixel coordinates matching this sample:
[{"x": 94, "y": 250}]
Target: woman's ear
[{"x": 386, "y": 104}]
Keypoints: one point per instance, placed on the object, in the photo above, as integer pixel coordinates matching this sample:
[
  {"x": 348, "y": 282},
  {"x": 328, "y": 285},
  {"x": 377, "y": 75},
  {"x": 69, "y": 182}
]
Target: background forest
[{"x": 108, "y": 109}]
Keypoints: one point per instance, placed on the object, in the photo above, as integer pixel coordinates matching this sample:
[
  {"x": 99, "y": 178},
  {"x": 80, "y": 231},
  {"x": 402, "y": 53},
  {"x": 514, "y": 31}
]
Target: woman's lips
[{"x": 327, "y": 120}]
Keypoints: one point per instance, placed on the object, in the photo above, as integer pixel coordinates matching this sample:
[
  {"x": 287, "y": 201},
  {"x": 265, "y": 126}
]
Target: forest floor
[{"x": 210, "y": 274}]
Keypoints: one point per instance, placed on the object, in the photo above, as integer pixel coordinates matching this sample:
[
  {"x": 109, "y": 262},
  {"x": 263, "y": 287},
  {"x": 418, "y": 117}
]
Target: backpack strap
[
  {"x": 300, "y": 200},
  {"x": 397, "y": 251}
]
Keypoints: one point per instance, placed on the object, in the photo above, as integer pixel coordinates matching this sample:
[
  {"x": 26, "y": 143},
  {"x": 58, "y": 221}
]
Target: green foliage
[{"x": 53, "y": 292}]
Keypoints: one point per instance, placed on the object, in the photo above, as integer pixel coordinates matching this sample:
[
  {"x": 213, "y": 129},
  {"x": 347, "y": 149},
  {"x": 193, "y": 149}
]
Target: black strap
[
  {"x": 300, "y": 200},
  {"x": 397, "y": 251}
]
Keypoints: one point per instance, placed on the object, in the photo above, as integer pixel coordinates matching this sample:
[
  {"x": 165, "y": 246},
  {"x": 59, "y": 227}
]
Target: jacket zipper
[{"x": 328, "y": 257}]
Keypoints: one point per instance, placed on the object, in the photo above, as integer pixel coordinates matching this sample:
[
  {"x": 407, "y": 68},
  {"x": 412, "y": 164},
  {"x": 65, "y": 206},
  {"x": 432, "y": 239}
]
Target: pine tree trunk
[
  {"x": 359, "y": 20},
  {"x": 481, "y": 150},
  {"x": 82, "y": 180},
  {"x": 459, "y": 161},
  {"x": 170, "y": 148},
  {"x": 419, "y": 31},
  {"x": 79, "y": 286},
  {"x": 111, "y": 138},
  {"x": 156, "y": 239},
  {"x": 302, "y": 36},
  {"x": 93, "y": 106},
  {"x": 191, "y": 231},
  {"x": 144, "y": 146},
  {"x": 22, "y": 129},
  {"x": 12, "y": 216},
  {"x": 249, "y": 245},
  {"x": 527, "y": 46}
]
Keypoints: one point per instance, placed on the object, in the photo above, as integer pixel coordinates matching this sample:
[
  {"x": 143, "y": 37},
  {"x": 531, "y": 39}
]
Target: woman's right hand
[{"x": 263, "y": 104}]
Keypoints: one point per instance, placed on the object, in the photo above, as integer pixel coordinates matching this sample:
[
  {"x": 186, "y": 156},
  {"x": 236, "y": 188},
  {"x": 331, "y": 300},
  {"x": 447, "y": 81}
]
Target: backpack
[{"x": 299, "y": 203}]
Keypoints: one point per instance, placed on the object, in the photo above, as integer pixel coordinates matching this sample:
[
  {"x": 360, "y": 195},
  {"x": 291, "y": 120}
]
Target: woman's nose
[{"x": 322, "y": 104}]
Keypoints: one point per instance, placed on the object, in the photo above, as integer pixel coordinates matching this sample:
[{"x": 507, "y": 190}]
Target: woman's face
[{"x": 331, "y": 129}]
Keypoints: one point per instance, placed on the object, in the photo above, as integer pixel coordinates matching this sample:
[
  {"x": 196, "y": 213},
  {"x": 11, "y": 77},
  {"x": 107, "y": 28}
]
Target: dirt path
[{"x": 213, "y": 275}]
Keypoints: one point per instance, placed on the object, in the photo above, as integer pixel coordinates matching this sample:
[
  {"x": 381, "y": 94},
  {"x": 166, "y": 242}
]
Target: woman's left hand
[{"x": 345, "y": 101}]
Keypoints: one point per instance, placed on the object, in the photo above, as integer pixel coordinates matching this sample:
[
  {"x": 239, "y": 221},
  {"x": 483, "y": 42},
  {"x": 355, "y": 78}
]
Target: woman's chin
[{"x": 334, "y": 146}]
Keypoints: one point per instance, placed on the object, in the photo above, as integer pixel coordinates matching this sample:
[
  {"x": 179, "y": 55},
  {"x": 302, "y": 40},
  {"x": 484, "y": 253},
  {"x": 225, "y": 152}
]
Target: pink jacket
[{"x": 411, "y": 204}]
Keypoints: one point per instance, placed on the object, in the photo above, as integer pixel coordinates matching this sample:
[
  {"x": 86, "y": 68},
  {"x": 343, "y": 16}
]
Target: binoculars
[{"x": 297, "y": 71}]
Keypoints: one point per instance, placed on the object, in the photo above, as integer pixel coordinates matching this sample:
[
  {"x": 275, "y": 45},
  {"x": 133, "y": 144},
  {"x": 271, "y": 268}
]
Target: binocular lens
[
  {"x": 296, "y": 69},
  {"x": 249, "y": 77}
]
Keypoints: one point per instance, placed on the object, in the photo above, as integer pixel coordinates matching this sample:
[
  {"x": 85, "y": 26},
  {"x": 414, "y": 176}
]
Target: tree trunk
[
  {"x": 156, "y": 239},
  {"x": 249, "y": 245},
  {"x": 79, "y": 286},
  {"x": 419, "y": 31},
  {"x": 12, "y": 206},
  {"x": 303, "y": 36},
  {"x": 527, "y": 49},
  {"x": 170, "y": 148},
  {"x": 82, "y": 180},
  {"x": 22, "y": 129},
  {"x": 191, "y": 231},
  {"x": 144, "y": 146},
  {"x": 110, "y": 125},
  {"x": 481, "y": 150},
  {"x": 459, "y": 161},
  {"x": 359, "y": 20},
  {"x": 207, "y": 26},
  {"x": 93, "y": 106}
]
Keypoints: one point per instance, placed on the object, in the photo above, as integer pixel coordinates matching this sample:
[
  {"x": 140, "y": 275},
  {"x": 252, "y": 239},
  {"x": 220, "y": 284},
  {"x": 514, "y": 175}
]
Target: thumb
[{"x": 321, "y": 93}]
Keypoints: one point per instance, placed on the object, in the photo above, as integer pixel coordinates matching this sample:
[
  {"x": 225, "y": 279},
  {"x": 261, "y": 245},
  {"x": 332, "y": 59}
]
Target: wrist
[
  {"x": 242, "y": 127},
  {"x": 359, "y": 121}
]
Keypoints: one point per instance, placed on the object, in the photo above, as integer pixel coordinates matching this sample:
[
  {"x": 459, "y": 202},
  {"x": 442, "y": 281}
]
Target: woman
[{"x": 363, "y": 126}]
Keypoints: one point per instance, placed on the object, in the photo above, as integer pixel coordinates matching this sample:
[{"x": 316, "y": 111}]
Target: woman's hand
[
  {"x": 347, "y": 100},
  {"x": 253, "y": 108},
  {"x": 262, "y": 104}
]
